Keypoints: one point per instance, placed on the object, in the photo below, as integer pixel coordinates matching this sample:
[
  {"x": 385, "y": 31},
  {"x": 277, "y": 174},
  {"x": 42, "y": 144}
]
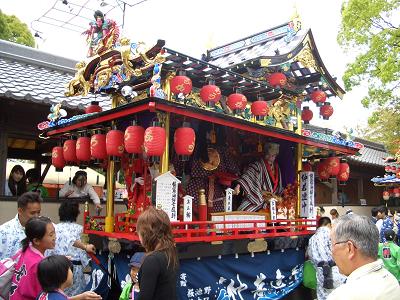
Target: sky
[{"x": 191, "y": 27}]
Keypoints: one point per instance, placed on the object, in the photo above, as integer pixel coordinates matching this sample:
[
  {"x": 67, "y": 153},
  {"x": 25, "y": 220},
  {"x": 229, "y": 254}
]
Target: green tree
[
  {"x": 383, "y": 127},
  {"x": 370, "y": 29},
  {"x": 13, "y": 30}
]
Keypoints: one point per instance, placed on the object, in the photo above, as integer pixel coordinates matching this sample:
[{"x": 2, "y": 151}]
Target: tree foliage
[
  {"x": 383, "y": 127},
  {"x": 13, "y": 30},
  {"x": 371, "y": 30}
]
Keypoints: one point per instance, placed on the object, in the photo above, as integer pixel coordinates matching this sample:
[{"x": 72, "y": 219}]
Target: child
[
  {"x": 131, "y": 289},
  {"x": 40, "y": 236},
  {"x": 54, "y": 274},
  {"x": 389, "y": 252}
]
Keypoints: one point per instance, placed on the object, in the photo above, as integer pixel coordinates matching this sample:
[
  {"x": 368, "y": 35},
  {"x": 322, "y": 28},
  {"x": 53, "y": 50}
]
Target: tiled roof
[
  {"x": 28, "y": 74},
  {"x": 372, "y": 154},
  {"x": 263, "y": 49}
]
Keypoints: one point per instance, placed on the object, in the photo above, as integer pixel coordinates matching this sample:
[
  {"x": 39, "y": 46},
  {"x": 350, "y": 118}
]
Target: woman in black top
[{"x": 158, "y": 273}]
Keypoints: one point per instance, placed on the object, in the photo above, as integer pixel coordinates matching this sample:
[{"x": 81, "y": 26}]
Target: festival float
[
  {"x": 390, "y": 181},
  {"x": 218, "y": 143}
]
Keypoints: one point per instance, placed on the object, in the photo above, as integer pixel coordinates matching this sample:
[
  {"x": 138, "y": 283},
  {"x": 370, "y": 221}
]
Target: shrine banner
[{"x": 264, "y": 276}]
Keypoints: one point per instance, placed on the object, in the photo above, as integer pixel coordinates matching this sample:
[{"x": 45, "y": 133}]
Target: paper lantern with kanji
[
  {"x": 98, "y": 147},
  {"x": 333, "y": 166},
  {"x": 307, "y": 167},
  {"x": 57, "y": 158},
  {"x": 386, "y": 195},
  {"x": 154, "y": 142},
  {"x": 306, "y": 114},
  {"x": 322, "y": 171},
  {"x": 259, "y": 109},
  {"x": 93, "y": 108},
  {"x": 133, "y": 140},
  {"x": 318, "y": 97},
  {"x": 344, "y": 172},
  {"x": 115, "y": 144},
  {"x": 210, "y": 94},
  {"x": 237, "y": 102},
  {"x": 181, "y": 84},
  {"x": 184, "y": 142},
  {"x": 83, "y": 151},
  {"x": 326, "y": 111},
  {"x": 277, "y": 80},
  {"x": 69, "y": 152}
]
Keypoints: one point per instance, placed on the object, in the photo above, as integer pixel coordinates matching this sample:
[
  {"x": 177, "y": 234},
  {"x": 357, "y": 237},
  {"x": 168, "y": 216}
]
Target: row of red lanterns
[
  {"x": 394, "y": 192},
  {"x": 326, "y": 111},
  {"x": 116, "y": 142},
  {"x": 392, "y": 169},
  {"x": 332, "y": 167}
]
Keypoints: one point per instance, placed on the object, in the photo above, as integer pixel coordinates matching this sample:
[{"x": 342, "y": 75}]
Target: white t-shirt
[{"x": 87, "y": 190}]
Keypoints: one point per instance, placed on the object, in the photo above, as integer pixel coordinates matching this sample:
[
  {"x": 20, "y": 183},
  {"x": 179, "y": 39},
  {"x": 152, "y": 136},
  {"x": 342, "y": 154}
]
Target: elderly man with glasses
[{"x": 355, "y": 242}]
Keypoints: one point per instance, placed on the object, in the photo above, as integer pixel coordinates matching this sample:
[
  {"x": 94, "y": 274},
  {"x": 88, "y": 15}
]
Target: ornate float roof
[{"x": 286, "y": 48}]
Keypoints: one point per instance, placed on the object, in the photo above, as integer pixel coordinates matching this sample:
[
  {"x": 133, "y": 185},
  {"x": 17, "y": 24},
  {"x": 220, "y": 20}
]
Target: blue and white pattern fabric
[
  {"x": 67, "y": 233},
  {"x": 386, "y": 225},
  {"x": 11, "y": 235},
  {"x": 320, "y": 250}
]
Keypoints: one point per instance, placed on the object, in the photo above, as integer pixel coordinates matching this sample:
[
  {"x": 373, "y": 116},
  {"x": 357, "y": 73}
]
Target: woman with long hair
[
  {"x": 16, "y": 183},
  {"x": 158, "y": 273}
]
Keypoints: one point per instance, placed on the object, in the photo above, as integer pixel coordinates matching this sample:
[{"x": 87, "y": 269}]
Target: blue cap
[{"x": 136, "y": 259}]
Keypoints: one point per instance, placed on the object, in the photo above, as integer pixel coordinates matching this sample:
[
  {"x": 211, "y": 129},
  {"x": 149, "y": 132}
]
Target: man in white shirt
[
  {"x": 13, "y": 231},
  {"x": 355, "y": 242}
]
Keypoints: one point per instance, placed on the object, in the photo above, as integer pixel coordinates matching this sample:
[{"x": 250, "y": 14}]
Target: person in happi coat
[
  {"x": 69, "y": 243},
  {"x": 261, "y": 176},
  {"x": 320, "y": 254}
]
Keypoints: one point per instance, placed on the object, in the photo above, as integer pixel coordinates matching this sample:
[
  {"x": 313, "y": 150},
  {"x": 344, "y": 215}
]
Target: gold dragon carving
[{"x": 78, "y": 85}]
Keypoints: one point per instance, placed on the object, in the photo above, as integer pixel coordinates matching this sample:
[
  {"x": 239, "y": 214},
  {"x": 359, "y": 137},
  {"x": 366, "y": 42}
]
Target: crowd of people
[
  {"x": 49, "y": 258},
  {"x": 356, "y": 257}
]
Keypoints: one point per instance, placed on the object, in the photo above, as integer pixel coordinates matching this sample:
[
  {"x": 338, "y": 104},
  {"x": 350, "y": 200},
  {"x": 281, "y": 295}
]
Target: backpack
[{"x": 7, "y": 268}]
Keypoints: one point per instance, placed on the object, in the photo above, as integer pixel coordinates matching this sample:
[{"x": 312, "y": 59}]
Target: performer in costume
[
  {"x": 211, "y": 161},
  {"x": 261, "y": 176}
]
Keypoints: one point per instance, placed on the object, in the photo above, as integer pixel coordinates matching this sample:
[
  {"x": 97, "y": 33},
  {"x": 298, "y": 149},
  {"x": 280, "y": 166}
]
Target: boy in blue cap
[{"x": 131, "y": 289}]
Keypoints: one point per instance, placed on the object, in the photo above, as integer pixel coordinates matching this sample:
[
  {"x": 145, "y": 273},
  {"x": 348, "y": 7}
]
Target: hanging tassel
[
  {"x": 213, "y": 136},
  {"x": 259, "y": 147},
  {"x": 70, "y": 180}
]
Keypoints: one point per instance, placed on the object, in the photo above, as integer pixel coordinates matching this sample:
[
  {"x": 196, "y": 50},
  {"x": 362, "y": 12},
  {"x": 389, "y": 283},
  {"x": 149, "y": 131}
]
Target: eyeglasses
[{"x": 342, "y": 242}]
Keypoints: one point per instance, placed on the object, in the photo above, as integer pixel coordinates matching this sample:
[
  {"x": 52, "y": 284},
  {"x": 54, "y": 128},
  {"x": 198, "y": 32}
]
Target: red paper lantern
[
  {"x": 184, "y": 142},
  {"x": 83, "y": 150},
  {"x": 393, "y": 169},
  {"x": 154, "y": 141},
  {"x": 388, "y": 169},
  {"x": 98, "y": 146},
  {"x": 69, "y": 152},
  {"x": 306, "y": 114},
  {"x": 326, "y": 111},
  {"x": 277, "y": 80},
  {"x": 322, "y": 171},
  {"x": 344, "y": 172},
  {"x": 93, "y": 107},
  {"x": 181, "y": 84},
  {"x": 333, "y": 166},
  {"x": 386, "y": 195},
  {"x": 115, "y": 144},
  {"x": 133, "y": 139},
  {"x": 396, "y": 192},
  {"x": 57, "y": 158},
  {"x": 318, "y": 97},
  {"x": 307, "y": 167},
  {"x": 237, "y": 102},
  {"x": 259, "y": 109},
  {"x": 210, "y": 94}
]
